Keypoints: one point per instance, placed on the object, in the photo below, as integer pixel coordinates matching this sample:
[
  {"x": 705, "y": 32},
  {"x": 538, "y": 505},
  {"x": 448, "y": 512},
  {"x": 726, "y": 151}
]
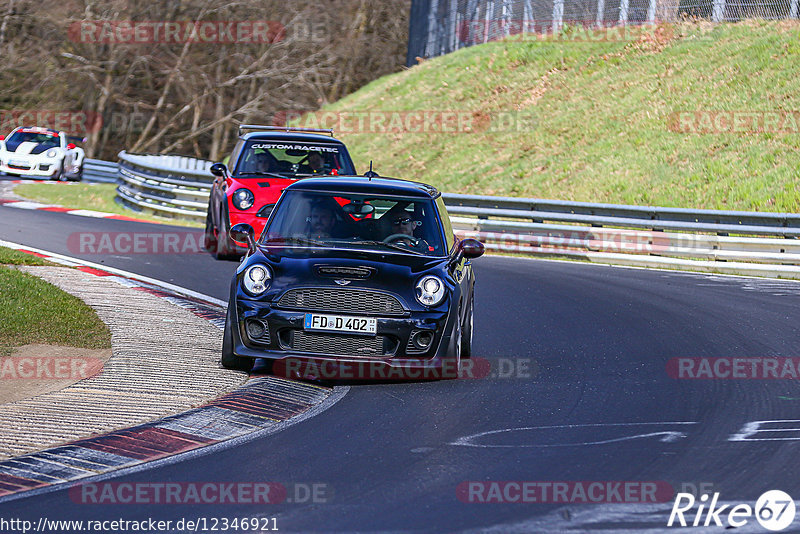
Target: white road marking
[
  {"x": 25, "y": 205},
  {"x": 76, "y": 261},
  {"x": 667, "y": 436}
]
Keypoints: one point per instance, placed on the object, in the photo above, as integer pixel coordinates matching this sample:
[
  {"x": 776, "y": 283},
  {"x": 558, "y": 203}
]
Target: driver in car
[
  {"x": 402, "y": 224},
  {"x": 314, "y": 164},
  {"x": 322, "y": 220},
  {"x": 263, "y": 162}
]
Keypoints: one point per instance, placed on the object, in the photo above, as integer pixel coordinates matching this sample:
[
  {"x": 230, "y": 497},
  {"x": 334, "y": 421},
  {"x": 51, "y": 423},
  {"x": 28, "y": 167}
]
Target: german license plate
[{"x": 341, "y": 323}]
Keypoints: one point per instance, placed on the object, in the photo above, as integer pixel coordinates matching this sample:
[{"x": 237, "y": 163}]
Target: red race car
[{"x": 262, "y": 164}]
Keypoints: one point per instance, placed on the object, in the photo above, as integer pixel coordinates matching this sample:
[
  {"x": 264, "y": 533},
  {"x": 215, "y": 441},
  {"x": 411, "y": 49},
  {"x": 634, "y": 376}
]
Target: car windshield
[
  {"x": 292, "y": 159},
  {"x": 21, "y": 136},
  {"x": 355, "y": 221}
]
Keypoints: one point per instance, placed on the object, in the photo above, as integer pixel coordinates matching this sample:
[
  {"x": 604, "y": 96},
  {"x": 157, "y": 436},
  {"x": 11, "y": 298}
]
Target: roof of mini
[
  {"x": 290, "y": 136},
  {"x": 363, "y": 185}
]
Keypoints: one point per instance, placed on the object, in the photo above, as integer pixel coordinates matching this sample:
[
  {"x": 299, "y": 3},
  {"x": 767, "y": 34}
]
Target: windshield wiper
[
  {"x": 385, "y": 244},
  {"x": 299, "y": 240},
  {"x": 263, "y": 173}
]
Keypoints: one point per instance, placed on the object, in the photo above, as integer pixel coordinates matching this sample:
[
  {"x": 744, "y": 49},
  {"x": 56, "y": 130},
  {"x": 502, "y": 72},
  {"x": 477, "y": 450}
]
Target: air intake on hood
[{"x": 352, "y": 273}]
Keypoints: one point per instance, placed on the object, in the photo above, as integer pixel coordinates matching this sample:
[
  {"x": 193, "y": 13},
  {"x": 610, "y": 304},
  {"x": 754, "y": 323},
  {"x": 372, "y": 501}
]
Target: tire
[
  {"x": 223, "y": 250},
  {"x": 61, "y": 176},
  {"x": 77, "y": 177},
  {"x": 209, "y": 239},
  {"x": 466, "y": 340},
  {"x": 455, "y": 358},
  {"x": 229, "y": 359}
]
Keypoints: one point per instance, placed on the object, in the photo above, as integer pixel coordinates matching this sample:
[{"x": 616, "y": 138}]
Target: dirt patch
[{"x": 33, "y": 370}]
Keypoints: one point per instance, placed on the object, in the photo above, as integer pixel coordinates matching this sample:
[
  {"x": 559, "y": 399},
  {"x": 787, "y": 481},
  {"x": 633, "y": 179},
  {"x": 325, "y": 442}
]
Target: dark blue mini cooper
[{"x": 353, "y": 277}]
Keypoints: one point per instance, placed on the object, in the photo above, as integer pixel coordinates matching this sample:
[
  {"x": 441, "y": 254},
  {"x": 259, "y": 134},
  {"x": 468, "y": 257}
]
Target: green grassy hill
[{"x": 600, "y": 118}]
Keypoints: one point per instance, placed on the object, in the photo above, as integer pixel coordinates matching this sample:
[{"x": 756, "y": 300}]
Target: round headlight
[
  {"x": 256, "y": 278},
  {"x": 243, "y": 199},
  {"x": 430, "y": 290},
  {"x": 51, "y": 153}
]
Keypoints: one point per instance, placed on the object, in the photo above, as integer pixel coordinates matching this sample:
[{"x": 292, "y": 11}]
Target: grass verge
[
  {"x": 86, "y": 196},
  {"x": 599, "y": 119},
  {"x": 34, "y": 311}
]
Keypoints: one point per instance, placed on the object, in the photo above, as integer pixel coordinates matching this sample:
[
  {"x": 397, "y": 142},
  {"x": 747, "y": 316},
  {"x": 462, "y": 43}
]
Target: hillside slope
[{"x": 602, "y": 121}]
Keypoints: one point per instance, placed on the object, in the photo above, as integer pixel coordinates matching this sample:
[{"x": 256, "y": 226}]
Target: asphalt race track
[{"x": 589, "y": 399}]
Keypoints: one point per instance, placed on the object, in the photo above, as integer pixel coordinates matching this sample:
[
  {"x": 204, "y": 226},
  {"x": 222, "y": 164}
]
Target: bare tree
[{"x": 189, "y": 96}]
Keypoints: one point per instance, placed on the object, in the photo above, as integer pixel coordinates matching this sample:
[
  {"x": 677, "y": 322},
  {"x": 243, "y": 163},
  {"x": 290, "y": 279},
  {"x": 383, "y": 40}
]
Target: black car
[
  {"x": 353, "y": 277},
  {"x": 262, "y": 163}
]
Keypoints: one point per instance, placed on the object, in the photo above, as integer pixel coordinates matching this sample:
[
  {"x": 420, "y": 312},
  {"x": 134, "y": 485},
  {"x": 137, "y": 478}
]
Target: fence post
[
  {"x": 558, "y": 15},
  {"x": 651, "y": 12},
  {"x": 453, "y": 15},
  {"x": 432, "y": 30},
  {"x": 506, "y": 17},
  {"x": 601, "y": 16},
  {"x": 793, "y": 10},
  {"x": 718, "y": 12},
  {"x": 623, "y": 12},
  {"x": 488, "y": 15},
  {"x": 528, "y": 24}
]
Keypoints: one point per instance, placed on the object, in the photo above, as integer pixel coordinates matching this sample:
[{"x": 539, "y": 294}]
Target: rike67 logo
[{"x": 774, "y": 510}]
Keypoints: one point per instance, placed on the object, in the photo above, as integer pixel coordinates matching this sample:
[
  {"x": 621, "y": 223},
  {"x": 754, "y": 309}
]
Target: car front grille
[
  {"x": 342, "y": 301},
  {"x": 342, "y": 345}
]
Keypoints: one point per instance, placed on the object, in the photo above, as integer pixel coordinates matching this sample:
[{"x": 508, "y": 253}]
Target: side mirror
[
  {"x": 471, "y": 248},
  {"x": 243, "y": 234},
  {"x": 70, "y": 146},
  {"x": 466, "y": 248},
  {"x": 219, "y": 169}
]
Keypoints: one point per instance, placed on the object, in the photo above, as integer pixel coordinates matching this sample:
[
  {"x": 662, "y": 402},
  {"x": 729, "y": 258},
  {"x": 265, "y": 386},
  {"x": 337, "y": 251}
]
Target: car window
[
  {"x": 236, "y": 151},
  {"x": 449, "y": 236},
  {"x": 292, "y": 159},
  {"x": 19, "y": 137},
  {"x": 356, "y": 221}
]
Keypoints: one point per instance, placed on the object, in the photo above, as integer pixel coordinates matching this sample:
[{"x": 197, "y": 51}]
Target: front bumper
[
  {"x": 287, "y": 343},
  {"x": 31, "y": 167}
]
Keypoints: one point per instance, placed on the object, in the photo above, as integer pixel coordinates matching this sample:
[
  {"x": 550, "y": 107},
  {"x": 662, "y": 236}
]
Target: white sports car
[{"x": 33, "y": 151}]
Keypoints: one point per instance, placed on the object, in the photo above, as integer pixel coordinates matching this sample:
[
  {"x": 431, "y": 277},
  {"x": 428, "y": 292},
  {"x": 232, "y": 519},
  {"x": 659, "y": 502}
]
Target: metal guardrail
[
  {"x": 170, "y": 186},
  {"x": 97, "y": 170},
  {"x": 736, "y": 242}
]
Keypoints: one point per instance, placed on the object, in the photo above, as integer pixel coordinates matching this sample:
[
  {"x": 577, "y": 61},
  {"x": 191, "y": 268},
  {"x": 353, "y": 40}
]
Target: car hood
[
  {"x": 26, "y": 147},
  {"x": 393, "y": 272}
]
